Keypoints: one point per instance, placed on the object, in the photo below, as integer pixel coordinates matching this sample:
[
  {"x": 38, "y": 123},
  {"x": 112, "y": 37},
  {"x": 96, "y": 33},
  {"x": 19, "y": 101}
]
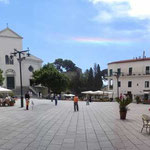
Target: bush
[{"x": 138, "y": 100}]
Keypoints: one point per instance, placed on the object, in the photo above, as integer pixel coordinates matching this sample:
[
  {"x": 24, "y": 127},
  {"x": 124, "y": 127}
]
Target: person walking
[
  {"x": 56, "y": 99},
  {"x": 76, "y": 107},
  {"x": 27, "y": 98},
  {"x": 87, "y": 100}
]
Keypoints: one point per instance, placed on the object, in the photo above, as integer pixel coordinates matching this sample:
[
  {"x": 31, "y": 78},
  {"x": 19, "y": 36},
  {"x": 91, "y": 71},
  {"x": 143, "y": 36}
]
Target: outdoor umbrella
[
  {"x": 69, "y": 95},
  {"x": 4, "y": 90},
  {"x": 87, "y": 92},
  {"x": 98, "y": 92}
]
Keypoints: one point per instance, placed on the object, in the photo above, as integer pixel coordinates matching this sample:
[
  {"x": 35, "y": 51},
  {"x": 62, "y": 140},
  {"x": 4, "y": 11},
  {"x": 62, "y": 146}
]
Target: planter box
[{"x": 123, "y": 115}]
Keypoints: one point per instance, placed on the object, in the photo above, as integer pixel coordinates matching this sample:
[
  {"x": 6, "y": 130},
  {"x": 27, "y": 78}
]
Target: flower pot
[
  {"x": 123, "y": 115},
  {"x": 11, "y": 103}
]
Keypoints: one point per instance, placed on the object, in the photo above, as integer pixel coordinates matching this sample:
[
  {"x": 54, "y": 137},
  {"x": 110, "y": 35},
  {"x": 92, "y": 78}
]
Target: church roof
[
  {"x": 7, "y": 32},
  {"x": 32, "y": 57}
]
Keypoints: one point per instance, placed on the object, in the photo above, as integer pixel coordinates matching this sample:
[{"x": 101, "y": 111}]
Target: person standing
[
  {"x": 27, "y": 98},
  {"x": 87, "y": 100},
  {"x": 56, "y": 99},
  {"x": 76, "y": 107}
]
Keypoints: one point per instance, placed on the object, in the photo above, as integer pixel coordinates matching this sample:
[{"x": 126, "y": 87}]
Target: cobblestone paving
[{"x": 94, "y": 127}]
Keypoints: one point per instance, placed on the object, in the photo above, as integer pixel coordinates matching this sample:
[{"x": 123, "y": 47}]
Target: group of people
[
  {"x": 56, "y": 97},
  {"x": 6, "y": 100},
  {"x": 76, "y": 99}
]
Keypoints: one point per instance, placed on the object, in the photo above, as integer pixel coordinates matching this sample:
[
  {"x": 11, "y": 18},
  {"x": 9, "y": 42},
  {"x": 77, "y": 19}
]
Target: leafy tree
[
  {"x": 66, "y": 65},
  {"x": 59, "y": 64},
  {"x": 104, "y": 74},
  {"x": 69, "y": 65},
  {"x": 51, "y": 78},
  {"x": 1, "y": 77}
]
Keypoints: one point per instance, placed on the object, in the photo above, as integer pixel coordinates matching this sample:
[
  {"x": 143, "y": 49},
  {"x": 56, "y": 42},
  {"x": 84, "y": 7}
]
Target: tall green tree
[
  {"x": 98, "y": 79},
  {"x": 90, "y": 80},
  {"x": 1, "y": 77},
  {"x": 51, "y": 78}
]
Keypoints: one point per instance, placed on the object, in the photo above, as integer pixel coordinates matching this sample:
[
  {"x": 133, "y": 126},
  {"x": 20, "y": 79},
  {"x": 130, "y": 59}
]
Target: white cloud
[
  {"x": 106, "y": 1},
  {"x": 137, "y": 8},
  {"x": 103, "y": 16},
  {"x": 4, "y": 1}
]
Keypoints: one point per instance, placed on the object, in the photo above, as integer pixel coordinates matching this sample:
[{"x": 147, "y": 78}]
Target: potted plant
[
  {"x": 138, "y": 100},
  {"x": 123, "y": 102},
  {"x": 12, "y": 102}
]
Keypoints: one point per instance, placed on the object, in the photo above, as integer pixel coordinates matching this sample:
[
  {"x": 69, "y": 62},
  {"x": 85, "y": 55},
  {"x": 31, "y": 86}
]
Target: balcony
[{"x": 134, "y": 74}]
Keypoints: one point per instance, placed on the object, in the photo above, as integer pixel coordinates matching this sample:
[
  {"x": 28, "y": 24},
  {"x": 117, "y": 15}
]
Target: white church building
[
  {"x": 9, "y": 40},
  {"x": 133, "y": 77}
]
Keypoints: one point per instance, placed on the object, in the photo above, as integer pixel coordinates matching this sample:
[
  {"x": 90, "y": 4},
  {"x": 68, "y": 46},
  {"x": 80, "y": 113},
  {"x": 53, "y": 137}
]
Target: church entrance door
[{"x": 10, "y": 82}]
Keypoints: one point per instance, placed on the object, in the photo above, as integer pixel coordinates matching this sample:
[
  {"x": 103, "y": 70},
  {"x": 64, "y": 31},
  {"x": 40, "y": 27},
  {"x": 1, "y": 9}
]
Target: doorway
[{"x": 10, "y": 82}]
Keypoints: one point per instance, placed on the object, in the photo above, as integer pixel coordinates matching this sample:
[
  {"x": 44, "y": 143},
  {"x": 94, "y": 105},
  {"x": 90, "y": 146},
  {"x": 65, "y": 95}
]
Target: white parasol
[
  {"x": 4, "y": 90},
  {"x": 87, "y": 92}
]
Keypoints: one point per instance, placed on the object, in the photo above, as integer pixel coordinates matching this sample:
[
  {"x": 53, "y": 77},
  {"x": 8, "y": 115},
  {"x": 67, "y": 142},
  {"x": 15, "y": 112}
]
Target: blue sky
[{"x": 85, "y": 31}]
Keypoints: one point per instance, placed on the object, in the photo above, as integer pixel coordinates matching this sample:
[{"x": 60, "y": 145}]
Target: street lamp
[{"x": 20, "y": 59}]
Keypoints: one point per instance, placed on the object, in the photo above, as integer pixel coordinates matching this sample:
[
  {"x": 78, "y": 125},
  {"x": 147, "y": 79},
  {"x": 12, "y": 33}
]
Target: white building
[
  {"x": 9, "y": 40},
  {"x": 133, "y": 77}
]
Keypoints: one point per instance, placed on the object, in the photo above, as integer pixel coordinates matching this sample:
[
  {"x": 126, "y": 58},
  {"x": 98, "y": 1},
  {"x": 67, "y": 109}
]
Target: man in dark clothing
[
  {"x": 56, "y": 100},
  {"x": 27, "y": 98}
]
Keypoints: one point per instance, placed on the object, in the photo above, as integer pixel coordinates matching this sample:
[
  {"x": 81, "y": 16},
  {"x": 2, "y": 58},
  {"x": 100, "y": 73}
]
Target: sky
[{"x": 84, "y": 31}]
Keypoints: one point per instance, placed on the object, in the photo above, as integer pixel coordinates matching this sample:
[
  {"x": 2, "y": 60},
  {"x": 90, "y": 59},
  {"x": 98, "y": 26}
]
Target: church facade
[{"x": 9, "y": 40}]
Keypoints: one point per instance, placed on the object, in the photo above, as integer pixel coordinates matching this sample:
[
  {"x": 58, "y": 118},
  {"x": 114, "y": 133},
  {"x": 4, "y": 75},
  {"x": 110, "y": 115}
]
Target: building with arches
[{"x": 9, "y": 40}]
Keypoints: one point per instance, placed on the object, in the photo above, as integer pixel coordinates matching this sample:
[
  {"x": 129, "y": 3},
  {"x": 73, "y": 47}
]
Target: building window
[
  {"x": 110, "y": 84},
  {"x": 147, "y": 71},
  {"x": 110, "y": 72},
  {"x": 130, "y": 71},
  {"x": 8, "y": 60},
  {"x": 129, "y": 83},
  {"x": 119, "y": 71},
  {"x": 31, "y": 69},
  {"x": 146, "y": 84},
  {"x": 11, "y": 61},
  {"x": 119, "y": 83}
]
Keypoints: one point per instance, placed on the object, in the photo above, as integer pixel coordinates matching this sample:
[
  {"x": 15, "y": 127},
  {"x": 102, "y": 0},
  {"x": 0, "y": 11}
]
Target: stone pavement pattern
[{"x": 94, "y": 127}]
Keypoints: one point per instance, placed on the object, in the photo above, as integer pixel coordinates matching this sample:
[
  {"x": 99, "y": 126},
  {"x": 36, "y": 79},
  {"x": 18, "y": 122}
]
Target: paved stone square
[{"x": 95, "y": 127}]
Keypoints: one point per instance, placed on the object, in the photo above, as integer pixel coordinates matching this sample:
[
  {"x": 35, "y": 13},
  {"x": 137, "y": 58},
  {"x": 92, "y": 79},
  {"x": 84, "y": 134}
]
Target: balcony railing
[{"x": 136, "y": 74}]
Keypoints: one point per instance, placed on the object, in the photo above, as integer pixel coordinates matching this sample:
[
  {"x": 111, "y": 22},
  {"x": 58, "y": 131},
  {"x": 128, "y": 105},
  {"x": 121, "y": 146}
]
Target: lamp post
[{"x": 20, "y": 59}]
